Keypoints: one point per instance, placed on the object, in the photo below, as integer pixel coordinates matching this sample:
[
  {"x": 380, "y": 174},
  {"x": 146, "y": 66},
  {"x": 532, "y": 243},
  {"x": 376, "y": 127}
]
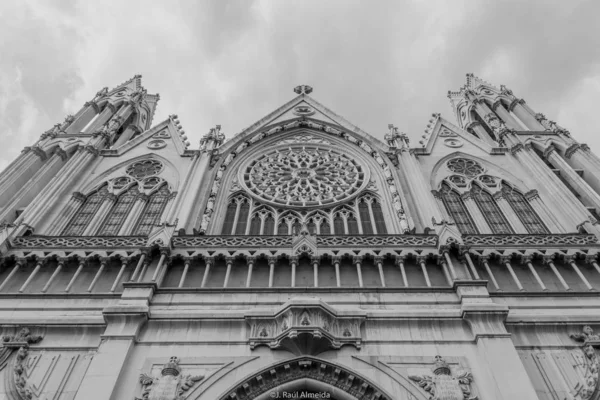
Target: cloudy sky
[{"x": 232, "y": 62}]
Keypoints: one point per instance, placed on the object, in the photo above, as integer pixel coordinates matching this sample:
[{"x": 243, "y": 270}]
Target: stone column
[
  {"x": 421, "y": 260},
  {"x": 419, "y": 187},
  {"x": 379, "y": 261},
  {"x": 505, "y": 116},
  {"x": 547, "y": 259},
  {"x": 209, "y": 262},
  {"x": 527, "y": 260},
  {"x": 506, "y": 261},
  {"x": 272, "y": 262},
  {"x": 356, "y": 260},
  {"x": 527, "y": 118},
  {"x": 24, "y": 162},
  {"x": 571, "y": 211},
  {"x": 509, "y": 213},
  {"x": 293, "y": 264},
  {"x": 134, "y": 215},
  {"x": 102, "y": 119},
  {"x": 82, "y": 118},
  {"x": 315, "y": 263},
  {"x": 67, "y": 213},
  {"x": 184, "y": 202},
  {"x": 123, "y": 324},
  {"x": 100, "y": 215},
  {"x": 505, "y": 376},
  {"x": 336, "y": 263},
  {"x": 250, "y": 261},
  {"x": 400, "y": 263},
  {"x": 581, "y": 186},
  {"x": 475, "y": 212},
  {"x": 229, "y": 261},
  {"x": 478, "y": 128},
  {"x": 548, "y": 218}
]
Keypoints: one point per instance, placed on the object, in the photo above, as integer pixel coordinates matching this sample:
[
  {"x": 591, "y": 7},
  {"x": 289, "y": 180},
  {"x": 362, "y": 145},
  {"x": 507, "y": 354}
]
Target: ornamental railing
[
  {"x": 529, "y": 240},
  {"x": 78, "y": 241}
]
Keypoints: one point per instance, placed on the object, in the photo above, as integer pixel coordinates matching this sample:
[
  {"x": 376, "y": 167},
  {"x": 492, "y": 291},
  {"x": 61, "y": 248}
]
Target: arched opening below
[{"x": 306, "y": 388}]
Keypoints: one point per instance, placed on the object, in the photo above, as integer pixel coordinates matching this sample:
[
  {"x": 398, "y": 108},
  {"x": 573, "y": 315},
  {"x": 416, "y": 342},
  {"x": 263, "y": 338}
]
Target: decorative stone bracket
[{"x": 305, "y": 326}]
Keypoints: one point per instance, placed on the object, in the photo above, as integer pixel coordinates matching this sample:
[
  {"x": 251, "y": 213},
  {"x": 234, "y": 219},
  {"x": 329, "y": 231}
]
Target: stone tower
[{"x": 301, "y": 257}]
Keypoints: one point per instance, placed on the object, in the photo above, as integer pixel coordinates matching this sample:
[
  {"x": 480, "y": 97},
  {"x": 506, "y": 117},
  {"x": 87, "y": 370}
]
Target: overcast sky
[{"x": 233, "y": 62}]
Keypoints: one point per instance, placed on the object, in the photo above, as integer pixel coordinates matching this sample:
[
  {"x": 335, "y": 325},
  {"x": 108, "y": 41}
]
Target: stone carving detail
[
  {"x": 79, "y": 241},
  {"x": 442, "y": 385},
  {"x": 19, "y": 342},
  {"x": 585, "y": 389},
  {"x": 304, "y": 243},
  {"x": 306, "y": 368},
  {"x": 305, "y": 326},
  {"x": 304, "y": 177},
  {"x": 304, "y": 139},
  {"x": 464, "y": 166},
  {"x": 157, "y": 144},
  {"x": 170, "y": 385},
  {"x": 529, "y": 240},
  {"x": 144, "y": 168},
  {"x": 376, "y": 241}
]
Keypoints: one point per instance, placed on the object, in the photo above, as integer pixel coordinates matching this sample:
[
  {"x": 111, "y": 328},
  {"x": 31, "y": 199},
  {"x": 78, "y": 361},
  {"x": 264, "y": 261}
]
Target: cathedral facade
[{"x": 301, "y": 257}]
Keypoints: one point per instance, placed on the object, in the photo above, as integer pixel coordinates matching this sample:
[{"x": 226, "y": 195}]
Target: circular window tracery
[
  {"x": 304, "y": 177},
  {"x": 142, "y": 169},
  {"x": 465, "y": 167}
]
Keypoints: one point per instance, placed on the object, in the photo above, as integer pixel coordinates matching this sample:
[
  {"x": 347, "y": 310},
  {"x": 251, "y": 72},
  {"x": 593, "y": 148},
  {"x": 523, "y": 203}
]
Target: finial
[{"x": 303, "y": 89}]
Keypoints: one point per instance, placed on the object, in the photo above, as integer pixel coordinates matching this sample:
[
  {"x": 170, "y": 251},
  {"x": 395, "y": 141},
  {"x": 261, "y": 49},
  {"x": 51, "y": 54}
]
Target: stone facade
[{"x": 301, "y": 257}]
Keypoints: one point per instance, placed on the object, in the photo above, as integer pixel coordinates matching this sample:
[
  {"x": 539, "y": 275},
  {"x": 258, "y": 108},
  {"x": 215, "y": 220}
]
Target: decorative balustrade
[
  {"x": 530, "y": 240},
  {"x": 79, "y": 241}
]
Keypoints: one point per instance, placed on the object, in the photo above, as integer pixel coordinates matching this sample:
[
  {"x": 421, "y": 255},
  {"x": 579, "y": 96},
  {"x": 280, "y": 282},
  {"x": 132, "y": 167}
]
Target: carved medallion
[
  {"x": 589, "y": 365},
  {"x": 170, "y": 385}
]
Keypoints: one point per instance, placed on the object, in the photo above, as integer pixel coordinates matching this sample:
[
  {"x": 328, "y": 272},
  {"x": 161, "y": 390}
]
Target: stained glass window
[
  {"x": 352, "y": 225},
  {"x": 152, "y": 212},
  {"x": 282, "y": 228},
  {"x": 457, "y": 210},
  {"x": 118, "y": 213},
  {"x": 325, "y": 228},
  {"x": 86, "y": 212},
  {"x": 255, "y": 225},
  {"x": 524, "y": 211},
  {"x": 491, "y": 212}
]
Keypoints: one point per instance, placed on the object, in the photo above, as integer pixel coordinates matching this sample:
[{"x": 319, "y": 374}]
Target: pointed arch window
[
  {"x": 491, "y": 212},
  {"x": 242, "y": 222},
  {"x": 255, "y": 225},
  {"x": 229, "y": 218},
  {"x": 118, "y": 213},
  {"x": 365, "y": 217},
  {"x": 524, "y": 211},
  {"x": 282, "y": 228},
  {"x": 379, "y": 219},
  {"x": 338, "y": 224},
  {"x": 352, "y": 225},
  {"x": 86, "y": 212},
  {"x": 269, "y": 225},
  {"x": 152, "y": 212},
  {"x": 457, "y": 210},
  {"x": 325, "y": 227}
]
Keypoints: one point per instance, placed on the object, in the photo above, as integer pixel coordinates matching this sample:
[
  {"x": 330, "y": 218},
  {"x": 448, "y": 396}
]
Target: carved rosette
[
  {"x": 586, "y": 389},
  {"x": 443, "y": 385},
  {"x": 305, "y": 327},
  {"x": 170, "y": 385}
]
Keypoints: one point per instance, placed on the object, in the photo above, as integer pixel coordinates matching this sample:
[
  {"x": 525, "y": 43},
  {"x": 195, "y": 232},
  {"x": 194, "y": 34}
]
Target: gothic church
[{"x": 301, "y": 257}]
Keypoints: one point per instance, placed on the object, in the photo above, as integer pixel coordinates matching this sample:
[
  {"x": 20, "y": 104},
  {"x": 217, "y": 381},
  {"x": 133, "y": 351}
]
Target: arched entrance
[{"x": 305, "y": 378}]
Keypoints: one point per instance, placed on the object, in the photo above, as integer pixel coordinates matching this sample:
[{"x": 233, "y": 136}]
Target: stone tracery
[{"x": 304, "y": 177}]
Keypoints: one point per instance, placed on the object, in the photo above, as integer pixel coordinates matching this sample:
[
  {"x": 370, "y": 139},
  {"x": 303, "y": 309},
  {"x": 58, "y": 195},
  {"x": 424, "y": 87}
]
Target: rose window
[
  {"x": 465, "y": 167},
  {"x": 304, "y": 177},
  {"x": 142, "y": 169}
]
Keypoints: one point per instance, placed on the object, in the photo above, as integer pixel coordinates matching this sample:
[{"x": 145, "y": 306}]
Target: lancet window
[
  {"x": 524, "y": 211},
  {"x": 457, "y": 210},
  {"x": 86, "y": 213},
  {"x": 153, "y": 210},
  {"x": 470, "y": 174},
  {"x": 111, "y": 222},
  {"x": 490, "y": 210},
  {"x": 244, "y": 216},
  {"x": 119, "y": 212}
]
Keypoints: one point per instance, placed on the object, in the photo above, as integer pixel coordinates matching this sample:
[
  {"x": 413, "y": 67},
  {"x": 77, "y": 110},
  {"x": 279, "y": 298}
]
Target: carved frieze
[
  {"x": 443, "y": 385},
  {"x": 170, "y": 385},
  {"x": 305, "y": 326}
]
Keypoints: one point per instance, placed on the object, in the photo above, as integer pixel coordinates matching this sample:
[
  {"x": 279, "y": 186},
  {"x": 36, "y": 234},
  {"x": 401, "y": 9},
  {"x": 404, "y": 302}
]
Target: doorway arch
[{"x": 305, "y": 374}]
